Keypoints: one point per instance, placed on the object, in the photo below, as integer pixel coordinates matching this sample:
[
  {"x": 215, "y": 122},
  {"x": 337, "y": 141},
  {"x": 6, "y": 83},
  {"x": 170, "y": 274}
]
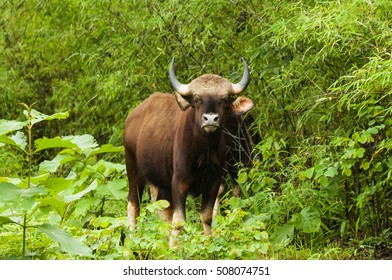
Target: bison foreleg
[
  {"x": 207, "y": 207},
  {"x": 179, "y": 198}
]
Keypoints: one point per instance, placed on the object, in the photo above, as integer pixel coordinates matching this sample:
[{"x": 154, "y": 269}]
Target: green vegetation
[{"x": 320, "y": 186}]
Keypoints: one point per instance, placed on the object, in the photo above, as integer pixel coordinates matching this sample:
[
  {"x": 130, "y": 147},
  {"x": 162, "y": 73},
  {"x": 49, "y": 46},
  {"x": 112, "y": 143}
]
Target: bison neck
[
  {"x": 205, "y": 148},
  {"x": 202, "y": 155}
]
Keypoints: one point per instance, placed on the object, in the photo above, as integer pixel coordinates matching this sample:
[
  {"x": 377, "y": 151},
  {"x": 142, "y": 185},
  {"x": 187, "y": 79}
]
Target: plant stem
[
  {"x": 24, "y": 236},
  {"x": 30, "y": 158},
  {"x": 30, "y": 155}
]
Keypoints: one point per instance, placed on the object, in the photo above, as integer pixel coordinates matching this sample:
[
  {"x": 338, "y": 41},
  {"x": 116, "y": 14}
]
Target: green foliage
[
  {"x": 50, "y": 193},
  {"x": 320, "y": 74},
  {"x": 237, "y": 235}
]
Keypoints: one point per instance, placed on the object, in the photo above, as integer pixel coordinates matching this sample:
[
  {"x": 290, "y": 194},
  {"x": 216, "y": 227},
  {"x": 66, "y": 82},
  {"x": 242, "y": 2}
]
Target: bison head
[{"x": 212, "y": 97}]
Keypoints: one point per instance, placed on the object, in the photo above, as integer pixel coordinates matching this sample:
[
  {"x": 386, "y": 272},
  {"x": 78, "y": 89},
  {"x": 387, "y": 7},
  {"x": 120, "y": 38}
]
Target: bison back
[{"x": 149, "y": 136}]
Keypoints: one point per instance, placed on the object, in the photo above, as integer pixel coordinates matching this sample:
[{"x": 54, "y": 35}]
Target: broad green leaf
[
  {"x": 83, "y": 141},
  {"x": 261, "y": 235},
  {"x": 107, "y": 168},
  {"x": 331, "y": 172},
  {"x": 107, "y": 148},
  {"x": 162, "y": 204},
  {"x": 84, "y": 204},
  {"x": 18, "y": 140},
  {"x": 33, "y": 191},
  {"x": 9, "y": 192},
  {"x": 19, "y": 198},
  {"x": 28, "y": 198},
  {"x": 257, "y": 220},
  {"x": 49, "y": 166},
  {"x": 55, "y": 203},
  {"x": 236, "y": 252},
  {"x": 319, "y": 170},
  {"x": 5, "y": 220},
  {"x": 37, "y": 179},
  {"x": 264, "y": 248},
  {"x": 308, "y": 220},
  {"x": 39, "y": 117},
  {"x": 264, "y": 235},
  {"x": 9, "y": 126},
  {"x": 57, "y": 142},
  {"x": 26, "y": 204},
  {"x": 324, "y": 181},
  {"x": 116, "y": 189},
  {"x": 242, "y": 177},
  {"x": 365, "y": 137},
  {"x": 360, "y": 152},
  {"x": 309, "y": 172},
  {"x": 102, "y": 222},
  {"x": 58, "y": 116},
  {"x": 347, "y": 171},
  {"x": 114, "y": 167},
  {"x": 158, "y": 205},
  {"x": 373, "y": 130},
  {"x": 365, "y": 165},
  {"x": 66, "y": 241},
  {"x": 105, "y": 222},
  {"x": 76, "y": 196},
  {"x": 57, "y": 184},
  {"x": 356, "y": 137},
  {"x": 15, "y": 181},
  {"x": 54, "y": 164},
  {"x": 282, "y": 236},
  {"x": 4, "y": 139}
]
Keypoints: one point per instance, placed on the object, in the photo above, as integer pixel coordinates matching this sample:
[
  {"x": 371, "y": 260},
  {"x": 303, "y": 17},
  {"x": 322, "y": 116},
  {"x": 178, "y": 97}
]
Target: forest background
[{"x": 320, "y": 185}]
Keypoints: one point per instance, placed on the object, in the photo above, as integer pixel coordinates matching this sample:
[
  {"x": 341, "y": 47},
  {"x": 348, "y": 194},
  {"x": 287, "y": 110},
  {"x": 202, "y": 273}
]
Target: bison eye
[{"x": 198, "y": 101}]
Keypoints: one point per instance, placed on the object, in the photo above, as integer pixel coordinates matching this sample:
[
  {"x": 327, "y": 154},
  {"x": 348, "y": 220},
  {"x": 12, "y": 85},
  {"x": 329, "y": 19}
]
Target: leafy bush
[
  {"x": 47, "y": 194},
  {"x": 320, "y": 74}
]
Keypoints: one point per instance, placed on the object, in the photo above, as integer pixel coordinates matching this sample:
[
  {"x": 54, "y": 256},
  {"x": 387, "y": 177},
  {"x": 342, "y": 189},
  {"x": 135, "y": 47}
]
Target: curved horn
[
  {"x": 241, "y": 86},
  {"x": 182, "y": 89}
]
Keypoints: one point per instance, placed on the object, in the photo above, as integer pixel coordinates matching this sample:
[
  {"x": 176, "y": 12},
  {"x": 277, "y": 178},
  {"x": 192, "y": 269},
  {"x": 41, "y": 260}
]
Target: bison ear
[
  {"x": 241, "y": 105},
  {"x": 182, "y": 102}
]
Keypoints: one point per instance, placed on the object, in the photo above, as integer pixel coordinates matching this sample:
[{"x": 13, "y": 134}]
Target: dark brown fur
[{"x": 176, "y": 143}]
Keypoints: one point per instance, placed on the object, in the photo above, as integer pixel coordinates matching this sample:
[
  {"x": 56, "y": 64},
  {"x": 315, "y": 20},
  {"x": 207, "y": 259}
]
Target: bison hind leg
[
  {"x": 165, "y": 194},
  {"x": 217, "y": 200},
  {"x": 136, "y": 187}
]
